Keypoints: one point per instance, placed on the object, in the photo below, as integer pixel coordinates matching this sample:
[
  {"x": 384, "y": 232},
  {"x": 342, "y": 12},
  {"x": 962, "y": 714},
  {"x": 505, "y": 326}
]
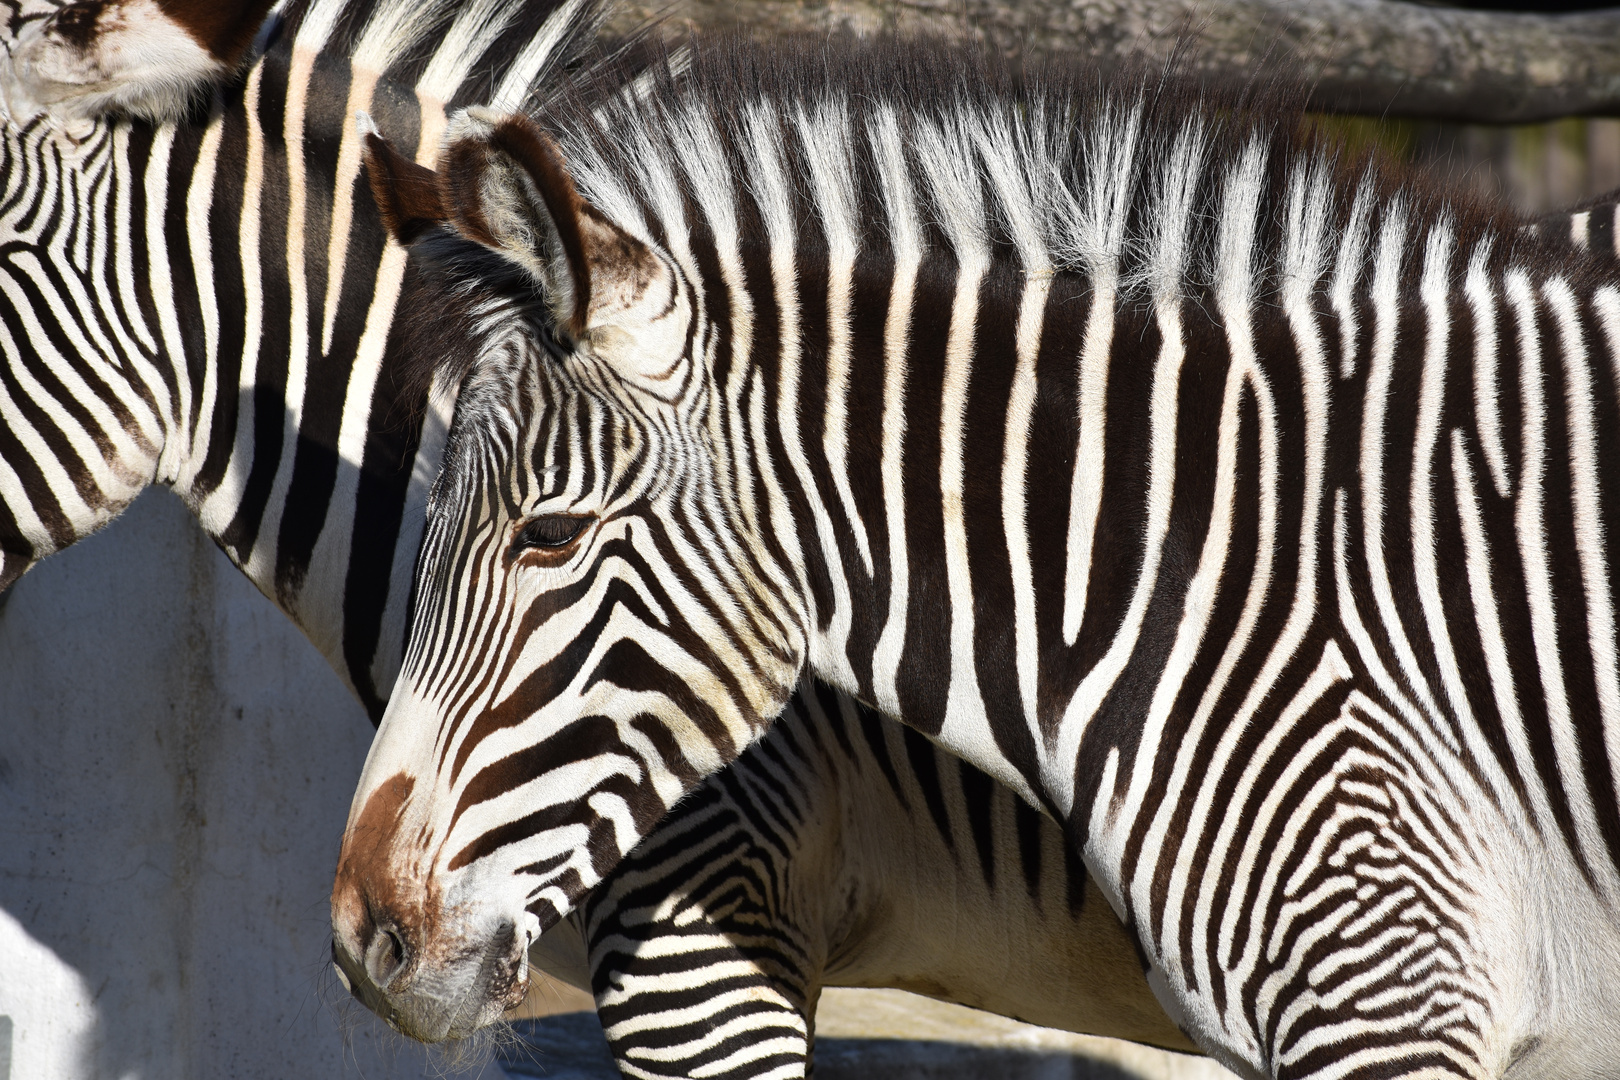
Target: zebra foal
[
  {"x": 165, "y": 317},
  {"x": 1246, "y": 505}
]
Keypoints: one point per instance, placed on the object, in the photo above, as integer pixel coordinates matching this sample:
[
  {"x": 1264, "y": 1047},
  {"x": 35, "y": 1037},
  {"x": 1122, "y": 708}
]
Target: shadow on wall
[
  {"x": 176, "y": 763},
  {"x": 570, "y": 1046}
]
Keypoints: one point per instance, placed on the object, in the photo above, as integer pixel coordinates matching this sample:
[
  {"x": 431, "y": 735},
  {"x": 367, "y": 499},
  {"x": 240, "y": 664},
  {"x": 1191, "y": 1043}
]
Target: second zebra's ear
[
  {"x": 407, "y": 194},
  {"x": 506, "y": 186}
]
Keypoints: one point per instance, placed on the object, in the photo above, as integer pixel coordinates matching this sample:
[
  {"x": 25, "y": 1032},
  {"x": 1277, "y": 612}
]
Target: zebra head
[
  {"x": 570, "y": 674},
  {"x": 144, "y": 58}
]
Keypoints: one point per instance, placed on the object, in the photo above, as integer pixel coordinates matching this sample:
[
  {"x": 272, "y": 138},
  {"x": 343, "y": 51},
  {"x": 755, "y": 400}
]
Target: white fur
[
  {"x": 140, "y": 63},
  {"x": 1482, "y": 301},
  {"x": 900, "y": 213}
]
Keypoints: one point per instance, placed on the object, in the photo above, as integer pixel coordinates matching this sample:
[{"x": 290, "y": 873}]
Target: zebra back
[{"x": 1589, "y": 227}]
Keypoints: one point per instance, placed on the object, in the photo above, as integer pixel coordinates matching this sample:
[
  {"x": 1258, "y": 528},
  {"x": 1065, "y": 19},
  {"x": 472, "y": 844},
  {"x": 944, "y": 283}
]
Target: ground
[{"x": 872, "y": 1033}]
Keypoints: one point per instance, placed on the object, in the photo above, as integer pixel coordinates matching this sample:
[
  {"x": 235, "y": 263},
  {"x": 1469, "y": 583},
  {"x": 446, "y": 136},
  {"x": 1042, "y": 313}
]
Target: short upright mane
[
  {"x": 505, "y": 50},
  {"x": 1063, "y": 168}
]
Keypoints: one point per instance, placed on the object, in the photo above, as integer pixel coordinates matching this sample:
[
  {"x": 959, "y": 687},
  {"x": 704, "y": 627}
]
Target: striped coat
[
  {"x": 261, "y": 354},
  {"x": 1244, "y": 504}
]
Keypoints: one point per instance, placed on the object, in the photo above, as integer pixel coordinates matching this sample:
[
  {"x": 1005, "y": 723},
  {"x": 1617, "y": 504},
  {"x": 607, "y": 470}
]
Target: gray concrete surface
[
  {"x": 176, "y": 764},
  {"x": 885, "y": 1033}
]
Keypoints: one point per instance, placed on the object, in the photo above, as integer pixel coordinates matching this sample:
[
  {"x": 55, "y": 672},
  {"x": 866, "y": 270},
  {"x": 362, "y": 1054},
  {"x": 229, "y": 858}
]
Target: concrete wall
[{"x": 176, "y": 764}]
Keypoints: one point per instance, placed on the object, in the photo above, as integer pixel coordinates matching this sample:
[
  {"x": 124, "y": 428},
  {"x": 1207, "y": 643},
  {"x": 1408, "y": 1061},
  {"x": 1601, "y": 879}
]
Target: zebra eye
[{"x": 549, "y": 531}]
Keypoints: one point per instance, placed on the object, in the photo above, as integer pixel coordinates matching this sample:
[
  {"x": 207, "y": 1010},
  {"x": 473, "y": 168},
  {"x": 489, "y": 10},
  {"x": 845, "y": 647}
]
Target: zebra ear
[
  {"x": 407, "y": 194},
  {"x": 506, "y": 186}
]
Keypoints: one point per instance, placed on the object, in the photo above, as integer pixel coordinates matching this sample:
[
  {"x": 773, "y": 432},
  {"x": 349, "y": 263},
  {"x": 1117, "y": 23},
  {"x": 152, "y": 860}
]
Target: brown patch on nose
[
  {"x": 431, "y": 973},
  {"x": 382, "y": 887}
]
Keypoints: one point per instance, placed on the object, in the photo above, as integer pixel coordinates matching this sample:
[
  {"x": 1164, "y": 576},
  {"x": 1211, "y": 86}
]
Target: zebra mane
[
  {"x": 454, "y": 53},
  {"x": 925, "y": 146},
  {"x": 459, "y": 52}
]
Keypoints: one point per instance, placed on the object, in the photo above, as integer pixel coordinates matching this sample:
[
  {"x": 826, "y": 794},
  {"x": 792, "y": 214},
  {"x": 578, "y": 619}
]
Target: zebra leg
[{"x": 698, "y": 965}]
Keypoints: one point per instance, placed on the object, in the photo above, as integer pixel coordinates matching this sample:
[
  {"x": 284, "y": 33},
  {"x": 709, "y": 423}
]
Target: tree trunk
[{"x": 1365, "y": 57}]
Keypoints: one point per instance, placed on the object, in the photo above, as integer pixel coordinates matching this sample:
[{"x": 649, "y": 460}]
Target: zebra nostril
[{"x": 386, "y": 956}]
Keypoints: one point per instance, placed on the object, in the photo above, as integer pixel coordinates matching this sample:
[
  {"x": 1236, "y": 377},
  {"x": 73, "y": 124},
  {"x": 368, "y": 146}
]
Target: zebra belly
[
  {"x": 963, "y": 892},
  {"x": 1561, "y": 1017}
]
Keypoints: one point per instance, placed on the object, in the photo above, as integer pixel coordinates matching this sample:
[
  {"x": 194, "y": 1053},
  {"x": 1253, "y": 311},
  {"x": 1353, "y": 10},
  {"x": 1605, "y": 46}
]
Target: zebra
[
  {"x": 304, "y": 435},
  {"x": 1243, "y": 505},
  {"x": 792, "y": 870},
  {"x": 1588, "y": 227}
]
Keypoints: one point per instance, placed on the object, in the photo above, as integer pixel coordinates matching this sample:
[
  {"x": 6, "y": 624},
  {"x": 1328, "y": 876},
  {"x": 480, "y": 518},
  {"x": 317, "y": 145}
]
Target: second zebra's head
[{"x": 594, "y": 630}]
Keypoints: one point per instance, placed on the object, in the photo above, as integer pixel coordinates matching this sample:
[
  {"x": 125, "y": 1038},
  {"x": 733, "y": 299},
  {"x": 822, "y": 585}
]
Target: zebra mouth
[{"x": 434, "y": 1001}]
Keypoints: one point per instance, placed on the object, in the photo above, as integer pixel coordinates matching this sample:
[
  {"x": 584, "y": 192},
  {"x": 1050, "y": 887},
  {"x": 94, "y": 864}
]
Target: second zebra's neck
[
  {"x": 212, "y": 304},
  {"x": 316, "y": 451}
]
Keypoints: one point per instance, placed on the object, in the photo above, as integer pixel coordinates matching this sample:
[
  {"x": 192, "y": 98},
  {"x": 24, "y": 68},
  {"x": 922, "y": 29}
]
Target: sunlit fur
[
  {"x": 1246, "y": 505},
  {"x": 284, "y": 356},
  {"x": 204, "y": 303}
]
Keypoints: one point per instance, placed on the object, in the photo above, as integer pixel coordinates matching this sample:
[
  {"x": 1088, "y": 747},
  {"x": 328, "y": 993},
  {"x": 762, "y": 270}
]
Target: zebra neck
[
  {"x": 314, "y": 467},
  {"x": 914, "y": 451},
  {"x": 228, "y": 301},
  {"x": 314, "y": 476},
  {"x": 211, "y": 304},
  {"x": 102, "y": 386},
  {"x": 279, "y": 483},
  {"x": 1098, "y": 519}
]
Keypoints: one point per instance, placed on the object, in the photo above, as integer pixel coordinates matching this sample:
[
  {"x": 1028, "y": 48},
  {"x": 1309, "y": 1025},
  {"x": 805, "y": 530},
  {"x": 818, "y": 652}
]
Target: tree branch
[{"x": 1365, "y": 57}]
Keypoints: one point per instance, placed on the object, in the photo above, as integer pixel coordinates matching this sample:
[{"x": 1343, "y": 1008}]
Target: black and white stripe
[
  {"x": 209, "y": 305},
  {"x": 1589, "y": 227},
  {"x": 279, "y": 342},
  {"x": 1246, "y": 505},
  {"x": 845, "y": 850}
]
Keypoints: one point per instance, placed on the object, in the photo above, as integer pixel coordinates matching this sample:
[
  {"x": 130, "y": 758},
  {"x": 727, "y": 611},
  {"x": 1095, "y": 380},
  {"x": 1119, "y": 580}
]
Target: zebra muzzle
[
  {"x": 432, "y": 966},
  {"x": 440, "y": 980}
]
